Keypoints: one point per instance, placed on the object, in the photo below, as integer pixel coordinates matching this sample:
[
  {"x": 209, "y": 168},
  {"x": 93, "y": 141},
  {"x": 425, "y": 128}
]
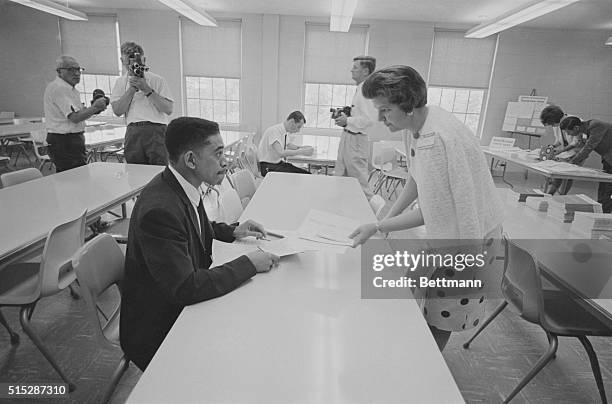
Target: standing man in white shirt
[
  {"x": 354, "y": 148},
  {"x": 146, "y": 103},
  {"x": 275, "y": 146},
  {"x": 65, "y": 116}
]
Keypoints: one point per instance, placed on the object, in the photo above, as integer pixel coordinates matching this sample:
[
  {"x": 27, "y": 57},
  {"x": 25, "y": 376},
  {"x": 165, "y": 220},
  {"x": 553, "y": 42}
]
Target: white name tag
[{"x": 426, "y": 141}]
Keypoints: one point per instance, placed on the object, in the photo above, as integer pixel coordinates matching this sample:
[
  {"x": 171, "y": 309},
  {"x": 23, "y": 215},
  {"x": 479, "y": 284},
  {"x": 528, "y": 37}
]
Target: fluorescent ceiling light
[
  {"x": 609, "y": 41},
  {"x": 517, "y": 16},
  {"x": 54, "y": 8},
  {"x": 341, "y": 15},
  {"x": 187, "y": 9}
]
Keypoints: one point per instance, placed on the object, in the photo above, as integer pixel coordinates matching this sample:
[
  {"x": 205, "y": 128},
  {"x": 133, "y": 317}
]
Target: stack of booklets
[
  {"x": 538, "y": 202},
  {"x": 599, "y": 225},
  {"x": 563, "y": 207}
]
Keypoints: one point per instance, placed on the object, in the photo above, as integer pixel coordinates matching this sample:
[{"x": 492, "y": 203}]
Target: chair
[
  {"x": 244, "y": 184},
  {"x": 389, "y": 173},
  {"x": 24, "y": 284},
  {"x": 17, "y": 177},
  {"x": 99, "y": 265},
  {"x": 377, "y": 203},
  {"x": 39, "y": 141},
  {"x": 230, "y": 206},
  {"x": 554, "y": 310}
]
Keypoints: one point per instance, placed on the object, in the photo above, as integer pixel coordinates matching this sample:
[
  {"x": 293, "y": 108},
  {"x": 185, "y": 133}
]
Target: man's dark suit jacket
[{"x": 167, "y": 266}]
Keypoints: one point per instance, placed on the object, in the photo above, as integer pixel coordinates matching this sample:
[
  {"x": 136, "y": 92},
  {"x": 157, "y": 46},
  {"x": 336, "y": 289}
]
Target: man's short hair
[
  {"x": 401, "y": 85},
  {"x": 369, "y": 62},
  {"x": 129, "y": 48},
  {"x": 551, "y": 115},
  {"x": 570, "y": 122},
  {"x": 188, "y": 133},
  {"x": 297, "y": 116},
  {"x": 63, "y": 61}
]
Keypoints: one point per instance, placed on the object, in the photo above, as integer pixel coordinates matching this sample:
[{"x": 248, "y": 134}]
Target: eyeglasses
[{"x": 73, "y": 69}]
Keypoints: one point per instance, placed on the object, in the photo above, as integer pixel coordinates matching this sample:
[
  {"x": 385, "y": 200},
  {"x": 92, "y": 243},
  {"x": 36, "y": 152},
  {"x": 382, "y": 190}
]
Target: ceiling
[{"x": 586, "y": 14}]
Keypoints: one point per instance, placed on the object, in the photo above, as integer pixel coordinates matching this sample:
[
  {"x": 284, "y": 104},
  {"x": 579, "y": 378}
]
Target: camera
[
  {"x": 136, "y": 65},
  {"x": 547, "y": 153},
  {"x": 97, "y": 93},
  {"x": 340, "y": 110}
]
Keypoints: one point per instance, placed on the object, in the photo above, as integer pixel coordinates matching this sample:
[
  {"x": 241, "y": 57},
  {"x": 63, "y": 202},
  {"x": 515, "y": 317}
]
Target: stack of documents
[
  {"x": 328, "y": 231},
  {"x": 599, "y": 225},
  {"x": 538, "y": 203},
  {"x": 563, "y": 207}
]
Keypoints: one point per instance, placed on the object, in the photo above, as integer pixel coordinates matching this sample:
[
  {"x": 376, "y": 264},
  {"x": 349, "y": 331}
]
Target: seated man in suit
[{"x": 169, "y": 251}]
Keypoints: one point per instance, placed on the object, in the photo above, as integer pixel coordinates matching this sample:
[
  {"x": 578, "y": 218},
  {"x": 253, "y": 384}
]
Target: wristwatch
[{"x": 150, "y": 92}]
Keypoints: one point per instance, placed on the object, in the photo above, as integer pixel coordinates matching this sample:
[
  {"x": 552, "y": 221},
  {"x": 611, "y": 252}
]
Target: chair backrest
[
  {"x": 521, "y": 284},
  {"x": 99, "y": 264},
  {"x": 56, "y": 263},
  {"x": 39, "y": 140},
  {"x": 377, "y": 203},
  {"x": 230, "y": 205},
  {"x": 244, "y": 183},
  {"x": 17, "y": 177},
  {"x": 386, "y": 155}
]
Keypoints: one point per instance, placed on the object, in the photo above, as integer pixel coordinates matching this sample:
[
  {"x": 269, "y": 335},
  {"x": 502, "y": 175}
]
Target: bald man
[{"x": 65, "y": 116}]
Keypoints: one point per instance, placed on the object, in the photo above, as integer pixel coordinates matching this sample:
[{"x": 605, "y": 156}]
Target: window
[
  {"x": 328, "y": 58},
  {"x": 212, "y": 58},
  {"x": 213, "y": 98},
  {"x": 320, "y": 98},
  {"x": 459, "y": 75},
  {"x": 90, "y": 82},
  {"x": 464, "y": 103}
]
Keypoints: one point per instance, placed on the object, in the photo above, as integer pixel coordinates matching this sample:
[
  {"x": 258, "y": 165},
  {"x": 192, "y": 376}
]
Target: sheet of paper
[{"x": 327, "y": 228}]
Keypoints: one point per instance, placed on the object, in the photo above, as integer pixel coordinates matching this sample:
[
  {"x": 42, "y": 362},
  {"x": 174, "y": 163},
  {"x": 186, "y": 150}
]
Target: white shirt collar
[{"x": 192, "y": 192}]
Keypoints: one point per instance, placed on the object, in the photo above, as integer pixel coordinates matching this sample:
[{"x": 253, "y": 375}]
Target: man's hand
[
  {"x": 341, "y": 120},
  {"x": 363, "y": 233},
  {"x": 249, "y": 228},
  {"x": 99, "y": 104},
  {"x": 139, "y": 83},
  {"x": 263, "y": 261}
]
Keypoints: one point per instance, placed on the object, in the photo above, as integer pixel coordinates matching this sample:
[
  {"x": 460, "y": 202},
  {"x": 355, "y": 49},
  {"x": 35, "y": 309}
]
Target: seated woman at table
[{"x": 450, "y": 177}]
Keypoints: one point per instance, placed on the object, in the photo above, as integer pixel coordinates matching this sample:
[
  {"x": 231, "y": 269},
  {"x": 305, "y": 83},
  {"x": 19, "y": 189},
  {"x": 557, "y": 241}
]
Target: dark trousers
[
  {"x": 145, "y": 143},
  {"x": 67, "y": 150},
  {"x": 604, "y": 191},
  {"x": 282, "y": 167}
]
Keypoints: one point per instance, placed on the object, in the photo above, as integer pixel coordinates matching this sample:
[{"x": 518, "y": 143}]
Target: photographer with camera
[
  {"x": 354, "y": 149},
  {"x": 65, "y": 116},
  {"x": 145, "y": 101}
]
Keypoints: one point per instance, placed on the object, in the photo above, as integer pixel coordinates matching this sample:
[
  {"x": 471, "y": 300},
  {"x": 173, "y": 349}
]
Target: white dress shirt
[
  {"x": 60, "y": 100},
  {"x": 141, "y": 109},
  {"x": 363, "y": 113}
]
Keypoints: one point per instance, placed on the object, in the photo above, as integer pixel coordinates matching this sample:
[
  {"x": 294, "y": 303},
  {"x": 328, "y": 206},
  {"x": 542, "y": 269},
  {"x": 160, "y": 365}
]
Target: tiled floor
[{"x": 485, "y": 373}]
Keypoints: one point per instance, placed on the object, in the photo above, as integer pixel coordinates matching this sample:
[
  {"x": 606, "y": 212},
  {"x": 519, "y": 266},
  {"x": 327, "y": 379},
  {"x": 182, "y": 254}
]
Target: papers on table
[
  {"x": 327, "y": 229},
  {"x": 563, "y": 167}
]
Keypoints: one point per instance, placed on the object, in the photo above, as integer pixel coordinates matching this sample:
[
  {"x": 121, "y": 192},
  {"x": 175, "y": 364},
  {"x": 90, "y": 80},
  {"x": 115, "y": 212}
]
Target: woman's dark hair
[
  {"x": 570, "y": 122},
  {"x": 401, "y": 85},
  {"x": 551, "y": 115}
]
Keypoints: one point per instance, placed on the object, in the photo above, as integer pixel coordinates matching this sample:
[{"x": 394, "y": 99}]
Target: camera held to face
[
  {"x": 97, "y": 93},
  {"x": 336, "y": 112},
  {"x": 136, "y": 65}
]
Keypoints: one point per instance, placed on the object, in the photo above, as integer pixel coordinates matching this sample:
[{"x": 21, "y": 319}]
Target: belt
[
  {"x": 353, "y": 133},
  {"x": 65, "y": 134},
  {"x": 145, "y": 123}
]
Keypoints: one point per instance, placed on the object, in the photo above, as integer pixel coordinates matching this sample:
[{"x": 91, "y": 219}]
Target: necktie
[{"x": 201, "y": 214}]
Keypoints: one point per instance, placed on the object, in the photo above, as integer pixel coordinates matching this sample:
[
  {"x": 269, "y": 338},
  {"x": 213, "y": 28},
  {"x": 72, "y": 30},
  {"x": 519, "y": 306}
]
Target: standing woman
[{"x": 449, "y": 176}]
